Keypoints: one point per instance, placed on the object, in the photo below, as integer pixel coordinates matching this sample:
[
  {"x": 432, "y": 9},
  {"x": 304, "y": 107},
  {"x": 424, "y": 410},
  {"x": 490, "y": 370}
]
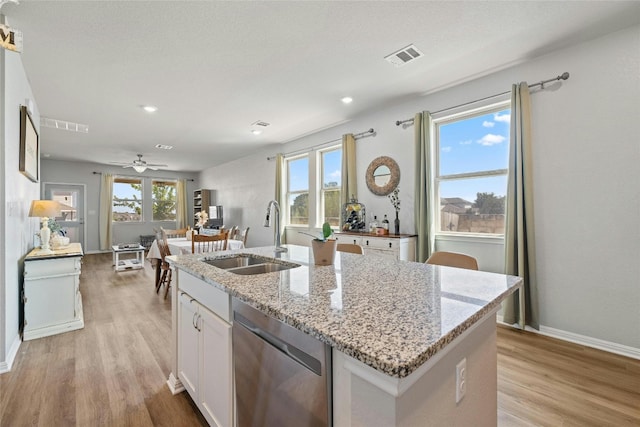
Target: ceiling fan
[{"x": 140, "y": 165}]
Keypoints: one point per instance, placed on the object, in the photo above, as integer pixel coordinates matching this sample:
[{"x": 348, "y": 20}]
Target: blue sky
[{"x": 477, "y": 144}]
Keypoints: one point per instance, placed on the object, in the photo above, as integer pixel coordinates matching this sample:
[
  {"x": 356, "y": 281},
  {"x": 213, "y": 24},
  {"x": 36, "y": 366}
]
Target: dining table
[{"x": 180, "y": 246}]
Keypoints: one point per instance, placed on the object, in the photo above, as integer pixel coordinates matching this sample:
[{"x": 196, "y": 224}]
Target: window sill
[{"x": 472, "y": 238}]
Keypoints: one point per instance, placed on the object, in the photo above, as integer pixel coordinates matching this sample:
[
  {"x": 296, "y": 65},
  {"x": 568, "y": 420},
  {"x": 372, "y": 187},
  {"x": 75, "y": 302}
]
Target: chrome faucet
[{"x": 267, "y": 223}]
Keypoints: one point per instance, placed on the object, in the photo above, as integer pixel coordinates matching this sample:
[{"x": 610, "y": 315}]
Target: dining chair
[
  {"x": 452, "y": 259},
  {"x": 233, "y": 232},
  {"x": 349, "y": 247},
  {"x": 163, "y": 247},
  {"x": 243, "y": 236},
  {"x": 180, "y": 232},
  {"x": 203, "y": 243}
]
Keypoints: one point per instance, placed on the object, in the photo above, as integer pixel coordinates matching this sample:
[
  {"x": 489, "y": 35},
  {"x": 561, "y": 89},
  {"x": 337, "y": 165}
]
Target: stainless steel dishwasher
[{"x": 282, "y": 375}]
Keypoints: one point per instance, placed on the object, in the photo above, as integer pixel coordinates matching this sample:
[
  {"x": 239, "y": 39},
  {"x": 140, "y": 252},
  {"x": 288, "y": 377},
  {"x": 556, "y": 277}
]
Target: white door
[{"x": 72, "y": 218}]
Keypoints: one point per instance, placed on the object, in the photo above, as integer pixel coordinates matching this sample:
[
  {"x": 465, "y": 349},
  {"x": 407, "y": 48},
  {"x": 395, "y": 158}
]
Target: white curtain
[
  {"x": 521, "y": 308},
  {"x": 278, "y": 196},
  {"x": 182, "y": 218},
  {"x": 349, "y": 174},
  {"x": 423, "y": 186},
  {"x": 106, "y": 211}
]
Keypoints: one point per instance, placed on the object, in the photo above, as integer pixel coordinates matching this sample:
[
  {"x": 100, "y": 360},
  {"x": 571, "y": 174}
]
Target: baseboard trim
[
  {"x": 611, "y": 347},
  {"x": 6, "y": 365}
]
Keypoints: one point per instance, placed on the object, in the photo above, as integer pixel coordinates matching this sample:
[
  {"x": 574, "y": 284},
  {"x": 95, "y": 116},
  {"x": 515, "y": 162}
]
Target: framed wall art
[{"x": 29, "y": 146}]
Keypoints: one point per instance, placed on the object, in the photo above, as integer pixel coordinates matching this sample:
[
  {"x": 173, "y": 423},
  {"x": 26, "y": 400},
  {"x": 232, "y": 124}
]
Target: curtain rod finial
[{"x": 564, "y": 76}]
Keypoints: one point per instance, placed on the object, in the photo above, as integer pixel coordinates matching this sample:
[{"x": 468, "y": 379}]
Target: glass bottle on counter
[
  {"x": 385, "y": 223},
  {"x": 373, "y": 225}
]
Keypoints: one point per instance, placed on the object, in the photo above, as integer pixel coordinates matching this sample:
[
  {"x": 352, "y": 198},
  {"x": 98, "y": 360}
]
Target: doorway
[{"x": 72, "y": 196}]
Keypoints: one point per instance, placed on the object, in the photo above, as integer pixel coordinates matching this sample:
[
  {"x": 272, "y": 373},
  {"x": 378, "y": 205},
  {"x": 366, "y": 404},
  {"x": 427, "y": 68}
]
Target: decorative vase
[
  {"x": 323, "y": 252},
  {"x": 396, "y": 224}
]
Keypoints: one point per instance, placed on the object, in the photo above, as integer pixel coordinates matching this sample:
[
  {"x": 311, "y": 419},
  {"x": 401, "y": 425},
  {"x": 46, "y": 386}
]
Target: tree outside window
[
  {"x": 163, "y": 194},
  {"x": 298, "y": 190},
  {"x": 331, "y": 186},
  {"x": 127, "y": 200}
]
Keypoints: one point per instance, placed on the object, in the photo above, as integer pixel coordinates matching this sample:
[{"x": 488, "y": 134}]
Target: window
[
  {"x": 331, "y": 183},
  {"x": 298, "y": 190},
  {"x": 127, "y": 200},
  {"x": 163, "y": 194},
  {"x": 471, "y": 158}
]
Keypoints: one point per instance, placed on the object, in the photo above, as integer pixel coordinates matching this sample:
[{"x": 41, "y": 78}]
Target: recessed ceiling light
[
  {"x": 256, "y": 132},
  {"x": 164, "y": 147},
  {"x": 150, "y": 108},
  {"x": 347, "y": 100}
]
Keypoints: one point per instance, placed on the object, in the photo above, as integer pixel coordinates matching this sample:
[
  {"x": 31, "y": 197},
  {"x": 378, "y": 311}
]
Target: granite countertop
[
  {"x": 390, "y": 315},
  {"x": 73, "y": 249}
]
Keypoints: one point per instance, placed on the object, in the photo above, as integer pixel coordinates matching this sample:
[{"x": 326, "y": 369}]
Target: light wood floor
[{"x": 113, "y": 372}]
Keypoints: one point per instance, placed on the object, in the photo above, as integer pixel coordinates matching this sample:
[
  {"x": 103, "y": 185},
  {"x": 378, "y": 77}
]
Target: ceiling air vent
[
  {"x": 63, "y": 125},
  {"x": 404, "y": 56},
  {"x": 260, "y": 123}
]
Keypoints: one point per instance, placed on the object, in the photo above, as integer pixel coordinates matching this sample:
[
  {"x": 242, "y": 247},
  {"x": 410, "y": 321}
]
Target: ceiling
[{"x": 214, "y": 68}]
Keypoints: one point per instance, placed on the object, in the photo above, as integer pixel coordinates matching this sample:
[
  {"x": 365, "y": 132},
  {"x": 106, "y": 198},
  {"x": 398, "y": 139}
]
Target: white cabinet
[
  {"x": 204, "y": 349},
  {"x": 401, "y": 247},
  {"x": 51, "y": 293}
]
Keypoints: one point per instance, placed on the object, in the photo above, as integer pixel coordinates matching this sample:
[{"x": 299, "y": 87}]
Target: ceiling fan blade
[
  {"x": 156, "y": 165},
  {"x": 120, "y": 164}
]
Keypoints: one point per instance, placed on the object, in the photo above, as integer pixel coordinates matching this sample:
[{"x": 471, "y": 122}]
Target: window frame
[
  {"x": 174, "y": 184},
  {"x": 128, "y": 180},
  {"x": 285, "y": 212},
  {"x": 460, "y": 114},
  {"x": 322, "y": 191}
]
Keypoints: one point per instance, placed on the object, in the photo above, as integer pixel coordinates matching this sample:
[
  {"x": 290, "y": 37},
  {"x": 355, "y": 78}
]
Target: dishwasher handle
[{"x": 306, "y": 360}]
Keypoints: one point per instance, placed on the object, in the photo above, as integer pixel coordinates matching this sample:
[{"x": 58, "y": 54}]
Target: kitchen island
[{"x": 412, "y": 344}]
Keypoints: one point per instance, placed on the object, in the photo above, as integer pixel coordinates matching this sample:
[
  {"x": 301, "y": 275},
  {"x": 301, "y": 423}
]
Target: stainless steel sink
[
  {"x": 235, "y": 261},
  {"x": 267, "y": 267},
  {"x": 247, "y": 264}
]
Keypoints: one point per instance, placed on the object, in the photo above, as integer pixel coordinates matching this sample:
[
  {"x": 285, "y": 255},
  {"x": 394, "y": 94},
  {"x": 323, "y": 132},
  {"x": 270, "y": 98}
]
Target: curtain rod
[
  {"x": 564, "y": 76},
  {"x": 143, "y": 176},
  {"x": 366, "y": 133}
]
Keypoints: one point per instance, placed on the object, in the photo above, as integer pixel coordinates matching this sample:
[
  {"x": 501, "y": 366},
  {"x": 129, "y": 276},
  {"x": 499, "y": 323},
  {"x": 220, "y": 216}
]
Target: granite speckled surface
[{"x": 390, "y": 315}]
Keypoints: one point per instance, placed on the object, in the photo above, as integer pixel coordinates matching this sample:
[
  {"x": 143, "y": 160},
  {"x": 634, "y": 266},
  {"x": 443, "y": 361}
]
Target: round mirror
[{"x": 383, "y": 176}]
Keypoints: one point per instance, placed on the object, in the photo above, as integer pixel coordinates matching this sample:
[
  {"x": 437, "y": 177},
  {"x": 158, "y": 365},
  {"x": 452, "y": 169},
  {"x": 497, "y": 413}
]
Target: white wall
[
  {"x": 586, "y": 176},
  {"x": 17, "y": 192},
  {"x": 58, "y": 171},
  {"x": 244, "y": 189}
]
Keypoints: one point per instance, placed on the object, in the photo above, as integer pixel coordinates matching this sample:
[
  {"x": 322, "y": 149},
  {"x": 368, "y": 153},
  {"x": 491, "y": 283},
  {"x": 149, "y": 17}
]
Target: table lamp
[{"x": 44, "y": 209}]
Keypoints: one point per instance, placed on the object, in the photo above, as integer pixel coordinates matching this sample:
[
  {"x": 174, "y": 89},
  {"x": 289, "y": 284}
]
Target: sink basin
[
  {"x": 247, "y": 264},
  {"x": 267, "y": 267},
  {"x": 235, "y": 261}
]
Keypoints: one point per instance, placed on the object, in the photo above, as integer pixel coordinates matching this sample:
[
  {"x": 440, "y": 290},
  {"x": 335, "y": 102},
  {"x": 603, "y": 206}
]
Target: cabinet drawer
[
  {"x": 381, "y": 243},
  {"x": 52, "y": 267},
  {"x": 216, "y": 300}
]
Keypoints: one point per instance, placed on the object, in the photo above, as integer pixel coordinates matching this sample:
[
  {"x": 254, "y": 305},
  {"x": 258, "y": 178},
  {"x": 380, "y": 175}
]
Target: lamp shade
[
  {"x": 140, "y": 169},
  {"x": 44, "y": 208}
]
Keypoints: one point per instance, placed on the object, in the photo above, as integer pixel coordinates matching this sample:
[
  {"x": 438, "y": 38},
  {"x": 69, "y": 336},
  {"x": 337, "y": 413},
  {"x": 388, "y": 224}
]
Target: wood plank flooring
[{"x": 113, "y": 372}]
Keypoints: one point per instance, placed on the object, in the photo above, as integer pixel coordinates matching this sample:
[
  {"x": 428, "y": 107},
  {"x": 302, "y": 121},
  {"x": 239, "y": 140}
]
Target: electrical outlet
[{"x": 461, "y": 379}]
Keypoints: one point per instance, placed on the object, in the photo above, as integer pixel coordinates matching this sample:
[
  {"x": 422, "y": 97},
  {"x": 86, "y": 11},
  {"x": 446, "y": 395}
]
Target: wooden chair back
[
  {"x": 180, "y": 232},
  {"x": 203, "y": 243},
  {"x": 243, "y": 236},
  {"x": 349, "y": 247},
  {"x": 452, "y": 259},
  {"x": 233, "y": 232}
]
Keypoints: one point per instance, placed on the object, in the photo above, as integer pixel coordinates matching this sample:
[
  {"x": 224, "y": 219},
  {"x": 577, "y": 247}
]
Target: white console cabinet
[
  {"x": 204, "y": 363},
  {"x": 51, "y": 293},
  {"x": 401, "y": 247}
]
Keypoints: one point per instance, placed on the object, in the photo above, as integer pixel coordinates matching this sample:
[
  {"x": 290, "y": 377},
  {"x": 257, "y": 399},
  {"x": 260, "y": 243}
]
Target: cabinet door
[
  {"x": 49, "y": 301},
  {"x": 188, "y": 337},
  {"x": 216, "y": 390}
]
